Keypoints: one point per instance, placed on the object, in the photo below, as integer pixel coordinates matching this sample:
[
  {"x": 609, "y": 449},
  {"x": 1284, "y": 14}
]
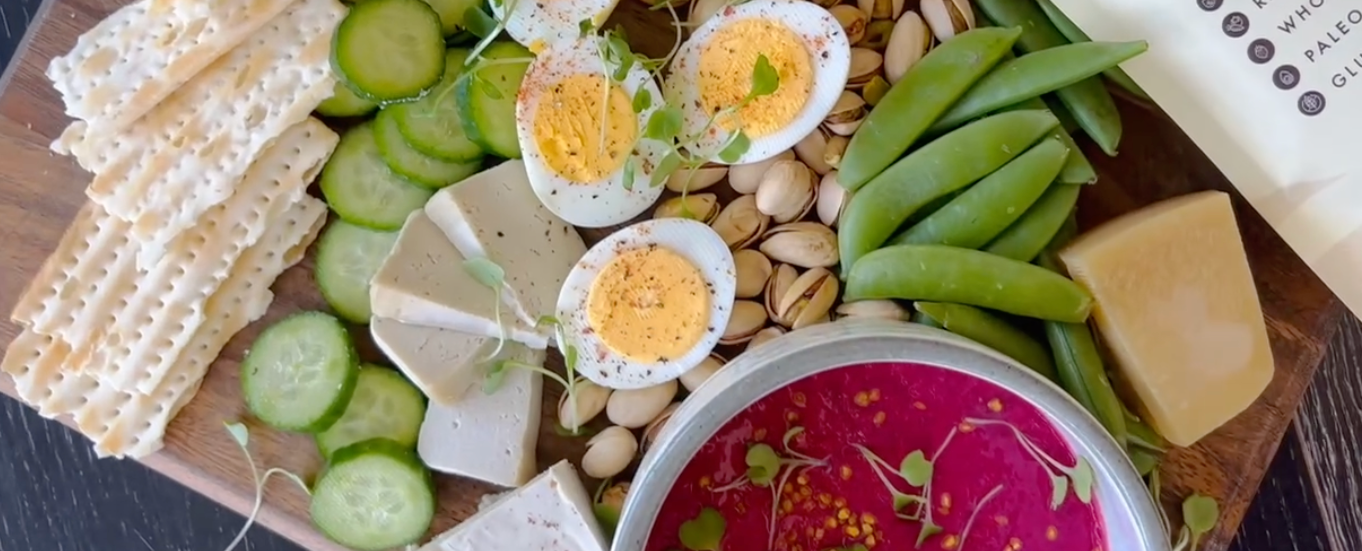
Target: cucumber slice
[
  {"x": 348, "y": 256},
  {"x": 344, "y": 103},
  {"x": 432, "y": 124},
  {"x": 421, "y": 169},
  {"x": 300, "y": 373},
  {"x": 389, "y": 50},
  {"x": 487, "y": 102},
  {"x": 374, "y": 495},
  {"x": 360, "y": 187},
  {"x": 384, "y": 404},
  {"x": 451, "y": 13}
]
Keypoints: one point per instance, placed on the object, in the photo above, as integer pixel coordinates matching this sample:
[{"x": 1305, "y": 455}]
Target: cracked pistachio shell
[
  {"x": 699, "y": 374},
  {"x": 837, "y": 148},
  {"x": 781, "y": 280},
  {"x": 909, "y": 42},
  {"x": 590, "y": 399},
  {"x": 634, "y": 408},
  {"x": 809, "y": 298},
  {"x": 865, "y": 65},
  {"x": 609, "y": 452},
  {"x": 877, "y": 35},
  {"x": 803, "y": 244},
  {"x": 947, "y": 18},
  {"x": 852, "y": 19},
  {"x": 811, "y": 148},
  {"x": 747, "y": 318},
  {"x": 703, "y": 207},
  {"x": 703, "y": 177},
  {"x": 740, "y": 223},
  {"x": 875, "y": 309},
  {"x": 746, "y": 178},
  {"x": 832, "y": 200},
  {"x": 787, "y": 191},
  {"x": 882, "y": 9},
  {"x": 754, "y": 269},
  {"x": 702, "y": 10},
  {"x": 764, "y": 336}
]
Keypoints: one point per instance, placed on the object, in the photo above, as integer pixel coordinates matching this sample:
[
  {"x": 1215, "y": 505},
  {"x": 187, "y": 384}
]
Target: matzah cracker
[
  {"x": 130, "y": 423},
  {"x": 94, "y": 298},
  {"x": 188, "y": 153},
  {"x": 137, "y": 56}
]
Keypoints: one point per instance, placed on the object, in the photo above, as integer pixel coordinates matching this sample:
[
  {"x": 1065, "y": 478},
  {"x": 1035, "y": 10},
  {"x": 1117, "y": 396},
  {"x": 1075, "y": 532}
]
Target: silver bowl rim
[{"x": 1132, "y": 519}]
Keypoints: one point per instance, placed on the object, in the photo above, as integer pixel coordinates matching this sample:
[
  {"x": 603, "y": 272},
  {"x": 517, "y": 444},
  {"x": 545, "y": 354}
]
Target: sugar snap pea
[
  {"x": 938, "y": 273},
  {"x": 987, "y": 208},
  {"x": 946, "y": 164},
  {"x": 927, "y": 209},
  {"x": 1082, "y": 375},
  {"x": 1071, "y": 31},
  {"x": 1026, "y": 237},
  {"x": 1088, "y": 100},
  {"x": 916, "y": 101},
  {"x": 991, "y": 331},
  {"x": 1077, "y": 169},
  {"x": 1144, "y": 460},
  {"x": 1066, "y": 119},
  {"x": 924, "y": 319},
  {"x": 1026, "y": 77},
  {"x": 1140, "y": 435}
]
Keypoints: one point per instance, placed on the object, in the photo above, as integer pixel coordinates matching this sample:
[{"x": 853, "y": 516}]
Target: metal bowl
[{"x": 1131, "y": 518}]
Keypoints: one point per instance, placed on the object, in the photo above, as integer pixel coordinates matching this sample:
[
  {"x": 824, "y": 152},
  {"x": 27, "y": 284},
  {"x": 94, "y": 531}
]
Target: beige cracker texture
[
  {"x": 188, "y": 153},
  {"x": 91, "y": 296},
  {"x": 137, "y": 56},
  {"x": 132, "y": 424}
]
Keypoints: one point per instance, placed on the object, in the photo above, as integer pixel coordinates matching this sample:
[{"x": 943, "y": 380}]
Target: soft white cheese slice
[
  {"x": 423, "y": 282},
  {"x": 445, "y": 364},
  {"x": 490, "y": 437},
  {"x": 550, "y": 513},
  {"x": 495, "y": 214}
]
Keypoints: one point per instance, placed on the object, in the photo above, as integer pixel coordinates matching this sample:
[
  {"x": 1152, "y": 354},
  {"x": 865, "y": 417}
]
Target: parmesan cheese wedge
[
  {"x": 190, "y": 151},
  {"x": 137, "y": 56}
]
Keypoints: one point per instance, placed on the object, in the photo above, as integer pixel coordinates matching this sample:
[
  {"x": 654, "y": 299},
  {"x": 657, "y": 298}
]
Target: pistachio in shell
[
  {"x": 753, "y": 270},
  {"x": 693, "y": 378},
  {"x": 747, "y": 318},
  {"x": 701, "y": 178},
  {"x": 810, "y": 150},
  {"x": 877, "y": 35},
  {"x": 633, "y": 408},
  {"x": 655, "y": 426},
  {"x": 764, "y": 336},
  {"x": 787, "y": 191},
  {"x": 882, "y": 9},
  {"x": 873, "y": 309},
  {"x": 609, "y": 452},
  {"x": 803, "y": 244},
  {"x": 846, "y": 115},
  {"x": 809, "y": 298},
  {"x": 909, "y": 42},
  {"x": 746, "y": 178},
  {"x": 852, "y": 19},
  {"x": 781, "y": 279},
  {"x": 702, "y": 10},
  {"x": 832, "y": 199},
  {"x": 703, "y": 207},
  {"x": 740, "y": 223},
  {"x": 837, "y": 148},
  {"x": 865, "y": 64},
  {"x": 875, "y": 90},
  {"x": 590, "y": 399},
  {"x": 947, "y": 18}
]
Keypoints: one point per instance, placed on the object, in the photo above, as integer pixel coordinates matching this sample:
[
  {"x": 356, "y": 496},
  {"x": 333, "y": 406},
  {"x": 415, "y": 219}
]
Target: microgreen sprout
[
  {"x": 1199, "y": 514},
  {"x": 490, "y": 275},
  {"x": 916, "y": 470},
  {"x": 1079, "y": 476},
  {"x": 704, "y": 532},
  {"x": 765, "y": 465},
  {"x": 241, "y": 435},
  {"x": 969, "y": 524},
  {"x": 477, "y": 19}
]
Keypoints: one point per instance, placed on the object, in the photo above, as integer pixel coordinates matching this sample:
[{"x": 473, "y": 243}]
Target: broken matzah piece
[
  {"x": 137, "y": 56},
  {"x": 90, "y": 294},
  {"x": 188, "y": 153},
  {"x": 131, "y": 423}
]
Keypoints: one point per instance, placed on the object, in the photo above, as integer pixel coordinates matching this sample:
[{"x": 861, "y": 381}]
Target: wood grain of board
[{"x": 40, "y": 192}]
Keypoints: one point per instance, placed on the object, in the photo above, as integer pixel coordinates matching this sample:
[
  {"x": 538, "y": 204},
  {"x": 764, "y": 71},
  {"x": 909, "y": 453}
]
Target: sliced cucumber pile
[
  {"x": 486, "y": 98},
  {"x": 300, "y": 373},
  {"x": 432, "y": 124},
  {"x": 389, "y": 50},
  {"x": 384, "y": 404},
  {"x": 374, "y": 495},
  {"x": 421, "y": 169},
  {"x": 359, "y": 186},
  {"x": 348, "y": 256},
  {"x": 344, "y": 103}
]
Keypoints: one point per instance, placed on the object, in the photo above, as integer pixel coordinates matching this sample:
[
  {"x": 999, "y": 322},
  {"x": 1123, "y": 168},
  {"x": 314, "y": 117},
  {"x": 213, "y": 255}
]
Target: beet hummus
[{"x": 986, "y": 472}]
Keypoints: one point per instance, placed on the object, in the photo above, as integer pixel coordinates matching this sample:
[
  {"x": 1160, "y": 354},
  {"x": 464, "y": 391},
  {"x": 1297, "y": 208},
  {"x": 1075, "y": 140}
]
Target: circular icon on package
[
  {"x": 1286, "y": 77},
  {"x": 1311, "y": 103},
  {"x": 1210, "y": 5},
  {"x": 1261, "y": 51},
  {"x": 1235, "y": 25}
]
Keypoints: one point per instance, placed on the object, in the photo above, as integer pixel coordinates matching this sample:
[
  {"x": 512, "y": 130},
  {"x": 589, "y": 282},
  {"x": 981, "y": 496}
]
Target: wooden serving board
[{"x": 40, "y": 193}]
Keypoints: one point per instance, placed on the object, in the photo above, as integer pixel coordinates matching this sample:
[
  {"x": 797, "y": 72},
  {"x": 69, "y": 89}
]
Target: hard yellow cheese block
[{"x": 1175, "y": 303}]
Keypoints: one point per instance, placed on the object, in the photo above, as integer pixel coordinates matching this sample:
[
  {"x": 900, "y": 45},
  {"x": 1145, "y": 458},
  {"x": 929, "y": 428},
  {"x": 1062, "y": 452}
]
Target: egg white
[
  {"x": 547, "y": 23},
  {"x": 597, "y": 204},
  {"x": 695, "y": 242},
  {"x": 829, "y": 58}
]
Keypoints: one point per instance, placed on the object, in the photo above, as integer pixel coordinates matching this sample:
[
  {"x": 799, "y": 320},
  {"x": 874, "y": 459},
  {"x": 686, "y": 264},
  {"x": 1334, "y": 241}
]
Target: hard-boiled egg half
[
  {"x": 540, "y": 24},
  {"x": 578, "y": 129},
  {"x": 712, "y": 72},
  {"x": 648, "y": 303}
]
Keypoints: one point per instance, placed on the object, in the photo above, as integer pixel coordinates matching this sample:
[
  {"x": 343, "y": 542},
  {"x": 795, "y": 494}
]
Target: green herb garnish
[
  {"x": 1079, "y": 476},
  {"x": 704, "y": 532},
  {"x": 1199, "y": 514},
  {"x": 241, "y": 435},
  {"x": 492, "y": 276}
]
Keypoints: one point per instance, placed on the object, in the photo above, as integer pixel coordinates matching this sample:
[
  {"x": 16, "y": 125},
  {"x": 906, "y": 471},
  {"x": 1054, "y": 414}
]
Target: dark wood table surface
[{"x": 55, "y": 496}]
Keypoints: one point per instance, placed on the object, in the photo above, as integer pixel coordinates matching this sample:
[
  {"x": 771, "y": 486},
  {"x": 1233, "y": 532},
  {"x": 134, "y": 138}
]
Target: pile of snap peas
[{"x": 963, "y": 183}]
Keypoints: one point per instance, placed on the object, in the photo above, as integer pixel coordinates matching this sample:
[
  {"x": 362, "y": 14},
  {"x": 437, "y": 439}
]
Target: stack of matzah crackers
[{"x": 194, "y": 117}]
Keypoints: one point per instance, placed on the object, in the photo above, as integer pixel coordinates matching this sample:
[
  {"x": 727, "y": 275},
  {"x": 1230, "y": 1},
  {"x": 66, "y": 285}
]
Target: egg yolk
[
  {"x": 726, "y": 66},
  {"x": 569, "y": 131},
  {"x": 649, "y": 305}
]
